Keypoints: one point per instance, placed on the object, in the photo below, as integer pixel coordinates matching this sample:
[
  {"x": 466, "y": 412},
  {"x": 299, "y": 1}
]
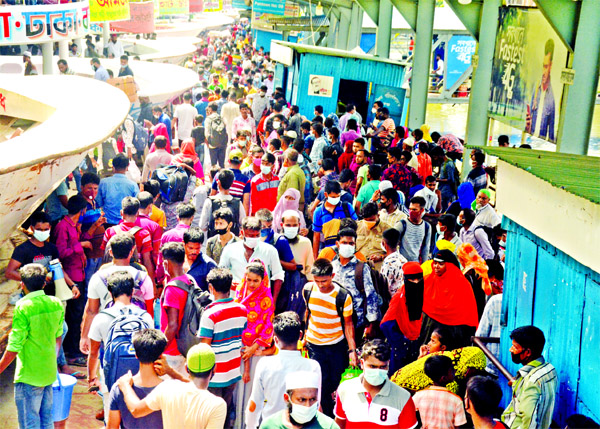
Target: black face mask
[{"x": 221, "y": 231}]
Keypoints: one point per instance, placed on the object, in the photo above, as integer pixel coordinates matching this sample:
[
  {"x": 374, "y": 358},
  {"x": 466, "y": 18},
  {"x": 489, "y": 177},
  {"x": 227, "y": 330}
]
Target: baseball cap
[
  {"x": 200, "y": 358},
  {"x": 236, "y": 156}
]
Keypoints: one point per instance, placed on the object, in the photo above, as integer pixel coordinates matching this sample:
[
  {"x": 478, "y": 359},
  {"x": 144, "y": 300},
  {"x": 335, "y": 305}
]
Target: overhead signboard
[
  {"x": 213, "y": 5},
  {"x": 274, "y": 7},
  {"x": 22, "y": 25},
  {"x": 460, "y": 50},
  {"x": 141, "y": 19},
  {"x": 109, "y": 10},
  {"x": 173, "y": 7},
  {"x": 281, "y": 54},
  {"x": 526, "y": 88}
]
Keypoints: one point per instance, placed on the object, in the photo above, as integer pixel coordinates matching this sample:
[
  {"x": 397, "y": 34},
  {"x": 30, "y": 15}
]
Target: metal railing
[{"x": 480, "y": 342}]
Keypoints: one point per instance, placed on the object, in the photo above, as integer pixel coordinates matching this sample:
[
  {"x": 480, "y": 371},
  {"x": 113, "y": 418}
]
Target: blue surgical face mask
[
  {"x": 375, "y": 377},
  {"x": 265, "y": 232}
]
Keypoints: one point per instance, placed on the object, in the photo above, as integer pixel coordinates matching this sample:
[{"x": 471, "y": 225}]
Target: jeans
[
  {"x": 61, "y": 359},
  {"x": 73, "y": 317},
  {"x": 334, "y": 361},
  {"x": 217, "y": 156},
  {"x": 34, "y": 406},
  {"x": 77, "y": 177},
  {"x": 93, "y": 264}
]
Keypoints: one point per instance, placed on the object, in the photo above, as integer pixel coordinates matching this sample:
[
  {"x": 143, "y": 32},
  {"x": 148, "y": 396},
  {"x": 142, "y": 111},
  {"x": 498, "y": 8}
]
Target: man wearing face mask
[
  {"x": 415, "y": 234},
  {"x": 236, "y": 256},
  {"x": 302, "y": 412},
  {"x": 100, "y": 72},
  {"x": 347, "y": 272},
  {"x": 534, "y": 388},
  {"x": 223, "y": 199},
  {"x": 260, "y": 102},
  {"x": 372, "y": 400},
  {"x": 485, "y": 215},
  {"x": 370, "y": 231},
  {"x": 301, "y": 246},
  {"x": 244, "y": 122},
  {"x": 263, "y": 187}
]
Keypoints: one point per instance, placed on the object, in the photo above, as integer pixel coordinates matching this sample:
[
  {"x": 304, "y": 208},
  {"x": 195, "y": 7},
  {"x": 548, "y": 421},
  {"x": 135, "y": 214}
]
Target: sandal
[{"x": 80, "y": 361}]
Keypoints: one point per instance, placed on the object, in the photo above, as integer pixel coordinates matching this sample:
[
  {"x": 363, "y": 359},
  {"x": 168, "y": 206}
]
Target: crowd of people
[{"x": 268, "y": 269}]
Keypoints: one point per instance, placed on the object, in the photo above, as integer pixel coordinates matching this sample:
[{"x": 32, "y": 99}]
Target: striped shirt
[
  {"x": 534, "y": 392},
  {"x": 439, "y": 408},
  {"x": 240, "y": 185},
  {"x": 143, "y": 240},
  {"x": 324, "y": 324},
  {"x": 223, "y": 322}
]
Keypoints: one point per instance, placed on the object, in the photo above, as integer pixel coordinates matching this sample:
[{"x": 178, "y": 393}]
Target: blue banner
[
  {"x": 240, "y": 4},
  {"x": 460, "y": 51},
  {"x": 274, "y": 7}
]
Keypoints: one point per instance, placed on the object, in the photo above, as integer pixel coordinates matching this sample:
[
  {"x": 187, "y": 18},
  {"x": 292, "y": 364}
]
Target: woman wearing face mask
[
  {"x": 290, "y": 200},
  {"x": 395, "y": 407},
  {"x": 254, "y": 293}
]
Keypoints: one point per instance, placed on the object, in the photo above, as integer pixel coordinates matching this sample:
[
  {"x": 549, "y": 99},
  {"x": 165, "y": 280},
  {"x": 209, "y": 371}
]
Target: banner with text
[
  {"x": 460, "y": 51},
  {"x": 22, "y": 25},
  {"x": 109, "y": 10},
  {"x": 526, "y": 88},
  {"x": 141, "y": 19},
  {"x": 274, "y": 7},
  {"x": 213, "y": 5},
  {"x": 173, "y": 7}
]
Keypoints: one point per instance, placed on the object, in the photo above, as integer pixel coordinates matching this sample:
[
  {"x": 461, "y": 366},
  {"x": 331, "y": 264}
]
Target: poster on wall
[
  {"x": 320, "y": 86},
  {"x": 460, "y": 51},
  {"x": 107, "y": 10},
  {"x": 526, "y": 86},
  {"x": 141, "y": 21}
]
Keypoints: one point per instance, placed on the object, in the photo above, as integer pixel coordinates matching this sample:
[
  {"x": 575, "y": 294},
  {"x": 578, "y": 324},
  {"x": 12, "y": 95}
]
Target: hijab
[
  {"x": 161, "y": 130},
  {"x": 470, "y": 260},
  {"x": 284, "y": 204},
  {"x": 449, "y": 298},
  {"x": 426, "y": 136},
  {"x": 187, "y": 150}
]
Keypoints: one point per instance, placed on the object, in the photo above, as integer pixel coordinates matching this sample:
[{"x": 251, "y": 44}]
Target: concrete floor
[{"x": 84, "y": 405}]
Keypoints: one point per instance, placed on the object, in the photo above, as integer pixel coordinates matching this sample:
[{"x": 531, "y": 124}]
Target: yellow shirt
[
  {"x": 159, "y": 217},
  {"x": 324, "y": 324}
]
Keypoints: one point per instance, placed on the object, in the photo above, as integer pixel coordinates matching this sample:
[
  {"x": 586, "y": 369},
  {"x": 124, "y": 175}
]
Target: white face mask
[
  {"x": 439, "y": 229},
  {"x": 373, "y": 110},
  {"x": 290, "y": 232},
  {"x": 383, "y": 247},
  {"x": 276, "y": 125},
  {"x": 251, "y": 242},
  {"x": 346, "y": 250},
  {"x": 265, "y": 169},
  {"x": 41, "y": 235},
  {"x": 333, "y": 200},
  {"x": 375, "y": 377},
  {"x": 502, "y": 243},
  {"x": 302, "y": 414},
  {"x": 242, "y": 143}
]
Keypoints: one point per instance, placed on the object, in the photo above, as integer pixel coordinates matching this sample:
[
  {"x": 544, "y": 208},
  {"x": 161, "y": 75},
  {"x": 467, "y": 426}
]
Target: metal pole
[
  {"x": 331, "y": 35},
  {"x": 355, "y": 27},
  {"x": 581, "y": 96},
  {"x": 344, "y": 28},
  {"x": 384, "y": 29},
  {"x": 419, "y": 86},
  {"x": 63, "y": 49},
  {"x": 477, "y": 119},
  {"x": 105, "y": 33},
  {"x": 47, "y": 57}
]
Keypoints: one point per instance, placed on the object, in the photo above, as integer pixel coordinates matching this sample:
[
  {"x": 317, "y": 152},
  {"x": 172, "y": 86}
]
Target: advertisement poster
[
  {"x": 196, "y": 6},
  {"x": 173, "y": 7},
  {"x": 141, "y": 20},
  {"x": 109, "y": 10},
  {"x": 213, "y": 5},
  {"x": 320, "y": 86},
  {"x": 526, "y": 87},
  {"x": 274, "y": 7},
  {"x": 23, "y": 25},
  {"x": 460, "y": 51}
]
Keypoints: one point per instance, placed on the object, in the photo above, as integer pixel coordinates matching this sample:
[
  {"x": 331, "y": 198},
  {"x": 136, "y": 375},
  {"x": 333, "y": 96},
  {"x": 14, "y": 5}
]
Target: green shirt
[
  {"x": 37, "y": 323},
  {"x": 366, "y": 191},
  {"x": 322, "y": 422},
  {"x": 294, "y": 178}
]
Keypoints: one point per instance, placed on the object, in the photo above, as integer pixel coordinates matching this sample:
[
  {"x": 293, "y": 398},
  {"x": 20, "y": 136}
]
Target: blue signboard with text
[
  {"x": 460, "y": 51},
  {"x": 274, "y": 7}
]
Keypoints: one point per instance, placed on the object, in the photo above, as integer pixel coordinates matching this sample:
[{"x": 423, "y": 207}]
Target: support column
[
  {"x": 80, "y": 47},
  {"x": 344, "y": 28},
  {"x": 63, "y": 49},
  {"x": 285, "y": 35},
  {"x": 421, "y": 63},
  {"x": 47, "y": 57},
  {"x": 105, "y": 33},
  {"x": 384, "y": 29},
  {"x": 478, "y": 120},
  {"x": 331, "y": 35},
  {"x": 355, "y": 27},
  {"x": 579, "y": 110}
]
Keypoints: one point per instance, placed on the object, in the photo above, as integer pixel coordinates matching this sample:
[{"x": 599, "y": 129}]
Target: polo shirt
[
  {"x": 37, "y": 323},
  {"x": 223, "y": 322},
  {"x": 391, "y": 407},
  {"x": 240, "y": 186},
  {"x": 263, "y": 193},
  {"x": 328, "y": 224}
]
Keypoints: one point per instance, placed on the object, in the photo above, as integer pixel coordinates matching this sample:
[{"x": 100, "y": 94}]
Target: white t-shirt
[
  {"x": 98, "y": 290},
  {"x": 185, "y": 114},
  {"x": 431, "y": 199},
  {"x": 101, "y": 323},
  {"x": 184, "y": 406},
  {"x": 440, "y": 69}
]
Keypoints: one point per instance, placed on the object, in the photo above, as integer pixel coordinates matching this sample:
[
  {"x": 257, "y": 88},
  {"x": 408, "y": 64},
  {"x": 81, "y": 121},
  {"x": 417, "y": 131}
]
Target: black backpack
[
  {"x": 216, "y": 133},
  {"x": 380, "y": 284},
  {"x": 340, "y": 299},
  {"x": 234, "y": 205},
  {"x": 423, "y": 244},
  {"x": 173, "y": 182}
]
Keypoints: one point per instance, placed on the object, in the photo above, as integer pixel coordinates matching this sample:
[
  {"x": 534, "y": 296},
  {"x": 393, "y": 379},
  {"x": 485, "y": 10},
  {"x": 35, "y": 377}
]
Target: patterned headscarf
[{"x": 470, "y": 260}]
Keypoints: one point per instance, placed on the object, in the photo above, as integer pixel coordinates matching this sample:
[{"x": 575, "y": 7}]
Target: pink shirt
[{"x": 175, "y": 298}]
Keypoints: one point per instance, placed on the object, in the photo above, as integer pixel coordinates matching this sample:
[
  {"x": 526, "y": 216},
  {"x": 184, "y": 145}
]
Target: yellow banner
[{"x": 109, "y": 10}]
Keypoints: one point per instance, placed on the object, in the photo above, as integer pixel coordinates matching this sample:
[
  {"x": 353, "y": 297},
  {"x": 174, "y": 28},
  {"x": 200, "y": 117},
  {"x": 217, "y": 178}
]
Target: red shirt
[
  {"x": 263, "y": 193},
  {"x": 143, "y": 241}
]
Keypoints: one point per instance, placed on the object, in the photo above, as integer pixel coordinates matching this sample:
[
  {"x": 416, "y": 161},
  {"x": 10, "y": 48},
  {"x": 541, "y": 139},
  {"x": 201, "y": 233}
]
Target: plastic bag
[
  {"x": 133, "y": 172},
  {"x": 350, "y": 373}
]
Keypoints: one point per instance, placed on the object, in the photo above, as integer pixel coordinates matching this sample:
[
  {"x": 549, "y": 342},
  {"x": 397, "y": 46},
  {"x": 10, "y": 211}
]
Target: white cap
[
  {"x": 302, "y": 380},
  {"x": 291, "y": 133},
  {"x": 289, "y": 213},
  {"x": 27, "y": 54},
  {"x": 385, "y": 184}
]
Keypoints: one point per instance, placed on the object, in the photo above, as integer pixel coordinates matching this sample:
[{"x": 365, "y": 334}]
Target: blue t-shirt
[
  {"x": 117, "y": 403},
  {"x": 164, "y": 119},
  {"x": 282, "y": 245},
  {"x": 201, "y": 108},
  {"x": 54, "y": 207},
  {"x": 111, "y": 192},
  {"x": 308, "y": 142},
  {"x": 328, "y": 224}
]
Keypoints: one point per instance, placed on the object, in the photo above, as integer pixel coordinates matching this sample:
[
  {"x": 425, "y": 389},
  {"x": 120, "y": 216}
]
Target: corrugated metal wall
[
  {"x": 545, "y": 287},
  {"x": 340, "y": 68}
]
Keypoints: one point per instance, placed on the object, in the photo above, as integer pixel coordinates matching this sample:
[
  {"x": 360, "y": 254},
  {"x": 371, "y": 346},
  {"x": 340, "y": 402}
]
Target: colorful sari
[{"x": 261, "y": 309}]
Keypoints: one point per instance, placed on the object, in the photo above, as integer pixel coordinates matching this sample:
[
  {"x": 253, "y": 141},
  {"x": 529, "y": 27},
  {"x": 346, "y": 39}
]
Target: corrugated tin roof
[
  {"x": 335, "y": 52},
  {"x": 577, "y": 174}
]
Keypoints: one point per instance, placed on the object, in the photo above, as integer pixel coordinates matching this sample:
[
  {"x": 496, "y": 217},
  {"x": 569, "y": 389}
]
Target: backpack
[
  {"x": 424, "y": 243},
  {"x": 137, "y": 298},
  {"x": 173, "y": 183},
  {"x": 340, "y": 299},
  {"x": 216, "y": 135},
  {"x": 491, "y": 238},
  {"x": 380, "y": 284},
  {"x": 234, "y": 205},
  {"x": 197, "y": 300},
  {"x": 119, "y": 355},
  {"x": 141, "y": 137},
  {"x": 107, "y": 258}
]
